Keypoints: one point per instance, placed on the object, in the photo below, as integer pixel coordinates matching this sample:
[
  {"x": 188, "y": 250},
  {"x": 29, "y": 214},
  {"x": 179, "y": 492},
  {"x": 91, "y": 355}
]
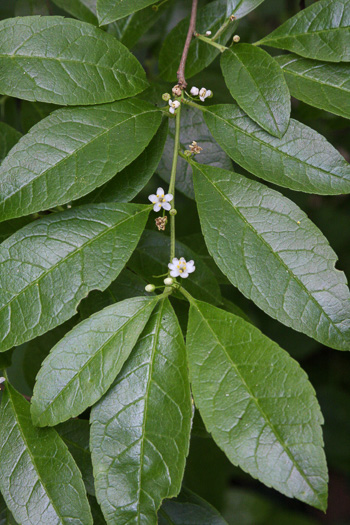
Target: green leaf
[
  {"x": 321, "y": 31},
  {"x": 257, "y": 84},
  {"x": 241, "y": 8},
  {"x": 320, "y": 84},
  {"x": 132, "y": 179},
  {"x": 8, "y": 138},
  {"x": 151, "y": 259},
  {"x": 257, "y": 403},
  {"x": 140, "y": 430},
  {"x": 65, "y": 61},
  {"x": 110, "y": 10},
  {"x": 193, "y": 127},
  {"x": 97, "y": 513},
  {"x": 71, "y": 152},
  {"x": 126, "y": 286},
  {"x": 51, "y": 264},
  {"x": 39, "y": 479},
  {"x": 82, "y": 9},
  {"x": 83, "y": 365},
  {"x": 189, "y": 509},
  {"x": 6, "y": 517},
  {"x": 200, "y": 55},
  {"x": 76, "y": 435},
  {"x": 301, "y": 160},
  {"x": 8, "y": 228},
  {"x": 274, "y": 254},
  {"x": 31, "y": 7}
]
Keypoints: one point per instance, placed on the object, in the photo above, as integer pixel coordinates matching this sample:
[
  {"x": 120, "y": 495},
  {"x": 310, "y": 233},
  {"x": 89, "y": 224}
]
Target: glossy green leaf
[
  {"x": 320, "y": 84},
  {"x": 301, "y": 160},
  {"x": 257, "y": 84},
  {"x": 83, "y": 365},
  {"x": 241, "y": 8},
  {"x": 132, "y": 179},
  {"x": 65, "y": 61},
  {"x": 31, "y": 7},
  {"x": 200, "y": 55},
  {"x": 76, "y": 435},
  {"x": 321, "y": 31},
  {"x": 140, "y": 430},
  {"x": 71, "y": 152},
  {"x": 51, "y": 264},
  {"x": 193, "y": 127},
  {"x": 189, "y": 509},
  {"x": 257, "y": 403},
  {"x": 151, "y": 259},
  {"x": 110, "y": 10},
  {"x": 84, "y": 10},
  {"x": 39, "y": 480},
  {"x": 274, "y": 254},
  {"x": 8, "y": 138},
  {"x": 126, "y": 286}
]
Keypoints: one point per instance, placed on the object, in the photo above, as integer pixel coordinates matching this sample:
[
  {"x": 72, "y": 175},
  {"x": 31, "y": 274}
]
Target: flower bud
[
  {"x": 177, "y": 91},
  {"x": 150, "y": 288},
  {"x": 173, "y": 211},
  {"x": 166, "y": 97},
  {"x": 168, "y": 281},
  {"x": 236, "y": 38}
]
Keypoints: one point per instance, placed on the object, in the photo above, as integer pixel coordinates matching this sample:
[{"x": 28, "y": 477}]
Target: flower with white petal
[
  {"x": 204, "y": 93},
  {"x": 194, "y": 91},
  {"x": 174, "y": 104},
  {"x": 181, "y": 268},
  {"x": 2, "y": 380},
  {"x": 161, "y": 200},
  {"x": 207, "y": 33}
]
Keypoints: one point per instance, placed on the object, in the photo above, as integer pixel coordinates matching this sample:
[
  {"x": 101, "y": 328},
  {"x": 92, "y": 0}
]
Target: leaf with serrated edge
[
  {"x": 65, "y": 61},
  {"x": 39, "y": 480},
  {"x": 193, "y": 127},
  {"x": 8, "y": 138},
  {"x": 256, "y": 82},
  {"x": 274, "y": 254},
  {"x": 321, "y": 31},
  {"x": 71, "y": 152},
  {"x": 110, "y": 10},
  {"x": 83, "y": 365},
  {"x": 320, "y": 84},
  {"x": 301, "y": 160},
  {"x": 48, "y": 266},
  {"x": 257, "y": 403},
  {"x": 153, "y": 393},
  {"x": 200, "y": 55},
  {"x": 188, "y": 509}
]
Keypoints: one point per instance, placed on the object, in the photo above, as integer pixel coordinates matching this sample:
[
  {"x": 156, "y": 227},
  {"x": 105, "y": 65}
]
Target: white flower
[
  {"x": 194, "y": 91},
  {"x": 204, "y": 93},
  {"x": 161, "y": 200},
  {"x": 181, "y": 268},
  {"x": 173, "y": 105},
  {"x": 207, "y": 33},
  {"x": 2, "y": 380}
]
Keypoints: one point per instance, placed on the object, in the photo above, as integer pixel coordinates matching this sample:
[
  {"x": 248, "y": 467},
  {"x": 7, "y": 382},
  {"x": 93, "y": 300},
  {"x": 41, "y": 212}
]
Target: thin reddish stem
[{"x": 191, "y": 29}]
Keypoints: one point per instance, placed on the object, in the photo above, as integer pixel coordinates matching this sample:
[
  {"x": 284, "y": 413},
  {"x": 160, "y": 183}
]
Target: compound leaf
[
  {"x": 39, "y": 479},
  {"x": 274, "y": 254},
  {"x": 83, "y": 365},
  {"x": 322, "y": 31},
  {"x": 140, "y": 430},
  {"x": 65, "y": 61},
  {"x": 71, "y": 152},
  {"x": 257, "y": 403},
  {"x": 301, "y": 160},
  {"x": 48, "y": 266}
]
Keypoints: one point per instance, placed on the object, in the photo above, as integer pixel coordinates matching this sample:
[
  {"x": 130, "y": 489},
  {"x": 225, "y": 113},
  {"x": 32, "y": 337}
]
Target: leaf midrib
[
  {"x": 311, "y": 79},
  {"x": 296, "y": 35},
  {"x": 92, "y": 357},
  {"x": 72, "y": 155},
  {"x": 72, "y": 254},
  {"x": 273, "y": 148},
  {"x": 275, "y": 254},
  {"x": 260, "y": 408}
]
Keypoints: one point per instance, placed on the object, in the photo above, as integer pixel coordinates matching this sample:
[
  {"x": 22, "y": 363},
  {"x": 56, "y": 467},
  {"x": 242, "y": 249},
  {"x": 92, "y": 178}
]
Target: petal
[
  {"x": 194, "y": 91},
  {"x": 175, "y": 273},
  {"x": 175, "y": 261},
  {"x": 190, "y": 269},
  {"x": 169, "y": 197},
  {"x": 160, "y": 191},
  {"x": 184, "y": 275},
  {"x": 157, "y": 207},
  {"x": 208, "y": 93},
  {"x": 170, "y": 102},
  {"x": 201, "y": 98},
  {"x": 166, "y": 206},
  {"x": 152, "y": 198},
  {"x": 172, "y": 110}
]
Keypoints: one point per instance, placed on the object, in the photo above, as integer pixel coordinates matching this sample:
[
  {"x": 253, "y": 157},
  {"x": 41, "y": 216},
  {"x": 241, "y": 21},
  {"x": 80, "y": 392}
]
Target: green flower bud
[
  {"x": 168, "y": 281},
  {"x": 150, "y": 288},
  {"x": 166, "y": 97},
  {"x": 172, "y": 211}
]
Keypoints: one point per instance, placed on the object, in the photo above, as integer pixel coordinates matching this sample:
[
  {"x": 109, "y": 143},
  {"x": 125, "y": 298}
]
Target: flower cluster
[
  {"x": 203, "y": 93},
  {"x": 161, "y": 200},
  {"x": 174, "y": 104},
  {"x": 181, "y": 268}
]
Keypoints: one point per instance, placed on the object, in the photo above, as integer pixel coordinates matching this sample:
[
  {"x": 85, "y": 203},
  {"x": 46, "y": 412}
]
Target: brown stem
[{"x": 191, "y": 29}]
